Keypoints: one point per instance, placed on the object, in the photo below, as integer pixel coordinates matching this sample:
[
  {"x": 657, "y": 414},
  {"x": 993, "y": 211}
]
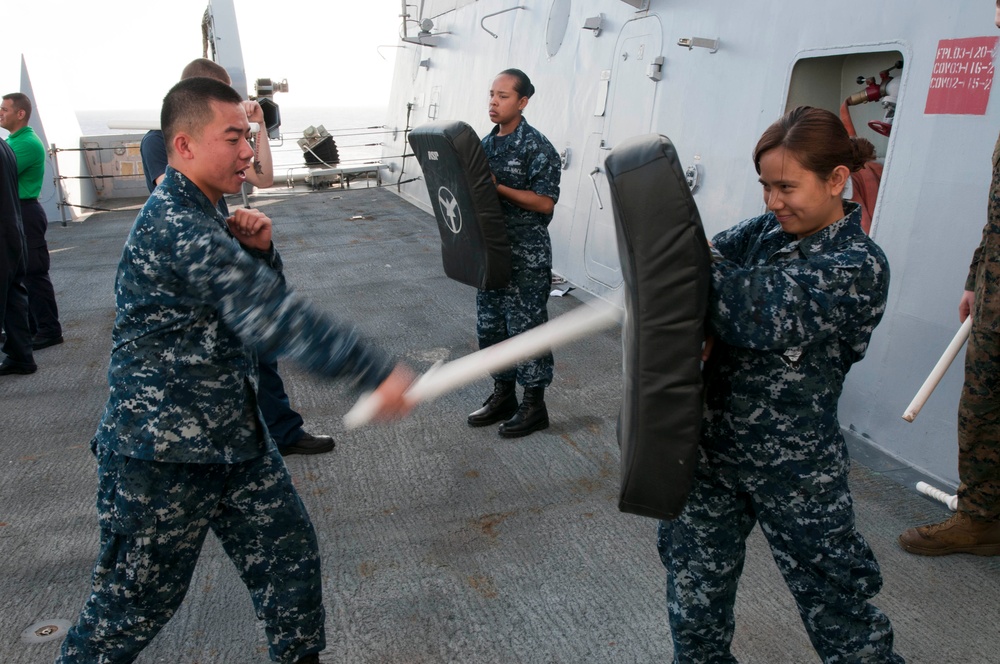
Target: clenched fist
[{"x": 251, "y": 227}]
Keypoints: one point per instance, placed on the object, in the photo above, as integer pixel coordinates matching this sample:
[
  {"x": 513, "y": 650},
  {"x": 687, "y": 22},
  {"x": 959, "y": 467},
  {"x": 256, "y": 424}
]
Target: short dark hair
[
  {"x": 187, "y": 107},
  {"x": 523, "y": 87},
  {"x": 20, "y": 102},
  {"x": 207, "y": 68}
]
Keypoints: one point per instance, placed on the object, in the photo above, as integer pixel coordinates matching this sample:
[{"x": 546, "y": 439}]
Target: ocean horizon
[{"x": 358, "y": 131}]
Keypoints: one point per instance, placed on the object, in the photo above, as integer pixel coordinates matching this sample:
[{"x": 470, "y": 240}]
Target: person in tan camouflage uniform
[{"x": 975, "y": 526}]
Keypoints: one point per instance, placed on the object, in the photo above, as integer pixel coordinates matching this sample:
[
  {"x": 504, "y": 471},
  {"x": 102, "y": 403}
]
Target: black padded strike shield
[
  {"x": 665, "y": 266},
  {"x": 474, "y": 244}
]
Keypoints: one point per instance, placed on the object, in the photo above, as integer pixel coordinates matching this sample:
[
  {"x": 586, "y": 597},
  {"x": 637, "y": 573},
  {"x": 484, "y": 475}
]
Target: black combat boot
[
  {"x": 309, "y": 659},
  {"x": 498, "y": 406},
  {"x": 531, "y": 416}
]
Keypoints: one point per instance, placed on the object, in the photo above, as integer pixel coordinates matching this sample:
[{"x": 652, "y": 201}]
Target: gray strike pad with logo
[{"x": 474, "y": 245}]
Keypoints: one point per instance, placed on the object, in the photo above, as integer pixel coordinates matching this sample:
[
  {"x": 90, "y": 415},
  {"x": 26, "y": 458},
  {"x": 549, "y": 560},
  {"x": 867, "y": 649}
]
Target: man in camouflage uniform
[
  {"x": 790, "y": 317},
  {"x": 284, "y": 424},
  {"x": 526, "y": 171},
  {"x": 975, "y": 526},
  {"x": 182, "y": 447}
]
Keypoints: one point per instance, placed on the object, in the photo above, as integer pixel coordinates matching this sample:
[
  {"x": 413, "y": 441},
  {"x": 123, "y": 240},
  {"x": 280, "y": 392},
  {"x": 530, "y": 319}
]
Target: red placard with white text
[{"x": 962, "y": 76}]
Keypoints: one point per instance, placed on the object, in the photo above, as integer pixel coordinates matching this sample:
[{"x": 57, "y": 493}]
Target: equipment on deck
[{"x": 319, "y": 147}]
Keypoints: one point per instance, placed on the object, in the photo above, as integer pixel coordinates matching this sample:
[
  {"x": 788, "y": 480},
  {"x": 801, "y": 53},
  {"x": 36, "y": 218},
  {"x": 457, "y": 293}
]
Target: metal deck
[{"x": 440, "y": 543}]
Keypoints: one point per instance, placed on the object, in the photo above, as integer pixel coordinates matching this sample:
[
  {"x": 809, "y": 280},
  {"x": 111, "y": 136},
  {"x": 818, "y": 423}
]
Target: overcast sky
[{"x": 125, "y": 54}]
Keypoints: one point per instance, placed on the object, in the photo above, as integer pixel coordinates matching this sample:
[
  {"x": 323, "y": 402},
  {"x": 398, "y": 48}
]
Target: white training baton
[
  {"x": 443, "y": 378},
  {"x": 938, "y": 371},
  {"x": 937, "y": 494}
]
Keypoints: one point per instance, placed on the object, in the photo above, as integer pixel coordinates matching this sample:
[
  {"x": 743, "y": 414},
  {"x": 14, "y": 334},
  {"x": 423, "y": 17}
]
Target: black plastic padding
[
  {"x": 474, "y": 244},
  {"x": 666, "y": 269}
]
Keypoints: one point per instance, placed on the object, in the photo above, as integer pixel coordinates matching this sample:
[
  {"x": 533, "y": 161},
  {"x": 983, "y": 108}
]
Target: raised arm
[{"x": 262, "y": 174}]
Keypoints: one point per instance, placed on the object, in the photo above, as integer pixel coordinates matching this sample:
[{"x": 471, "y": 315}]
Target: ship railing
[{"x": 344, "y": 172}]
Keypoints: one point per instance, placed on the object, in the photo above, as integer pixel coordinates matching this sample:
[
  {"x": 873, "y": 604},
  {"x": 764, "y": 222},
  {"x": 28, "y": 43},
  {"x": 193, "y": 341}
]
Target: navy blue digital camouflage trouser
[
  {"x": 809, "y": 524},
  {"x": 283, "y": 423},
  {"x": 154, "y": 518},
  {"x": 503, "y": 313}
]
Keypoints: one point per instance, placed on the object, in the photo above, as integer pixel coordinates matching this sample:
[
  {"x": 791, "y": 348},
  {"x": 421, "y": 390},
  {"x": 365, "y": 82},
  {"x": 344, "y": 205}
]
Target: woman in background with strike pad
[{"x": 526, "y": 171}]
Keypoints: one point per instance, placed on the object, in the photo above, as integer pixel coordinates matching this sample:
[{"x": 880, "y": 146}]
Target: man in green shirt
[{"x": 15, "y": 111}]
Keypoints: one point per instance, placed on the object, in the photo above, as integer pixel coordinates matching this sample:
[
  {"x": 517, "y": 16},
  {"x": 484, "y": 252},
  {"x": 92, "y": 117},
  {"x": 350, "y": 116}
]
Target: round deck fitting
[{"x": 46, "y": 630}]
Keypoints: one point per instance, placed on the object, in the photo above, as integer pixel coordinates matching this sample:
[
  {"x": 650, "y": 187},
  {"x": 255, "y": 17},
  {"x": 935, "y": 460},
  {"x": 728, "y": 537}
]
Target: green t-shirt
[{"x": 30, "y": 154}]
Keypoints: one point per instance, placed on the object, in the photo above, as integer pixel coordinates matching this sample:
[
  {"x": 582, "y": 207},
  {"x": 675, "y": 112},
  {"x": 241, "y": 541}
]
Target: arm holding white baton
[
  {"x": 441, "y": 379},
  {"x": 389, "y": 401}
]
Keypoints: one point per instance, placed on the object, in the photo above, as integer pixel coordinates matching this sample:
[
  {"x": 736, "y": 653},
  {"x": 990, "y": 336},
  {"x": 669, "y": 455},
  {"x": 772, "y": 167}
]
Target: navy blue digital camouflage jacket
[
  {"x": 524, "y": 160},
  {"x": 792, "y": 317},
  {"x": 192, "y": 305}
]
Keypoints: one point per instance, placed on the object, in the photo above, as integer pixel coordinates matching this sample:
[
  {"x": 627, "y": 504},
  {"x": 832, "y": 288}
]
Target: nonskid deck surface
[{"x": 440, "y": 543}]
